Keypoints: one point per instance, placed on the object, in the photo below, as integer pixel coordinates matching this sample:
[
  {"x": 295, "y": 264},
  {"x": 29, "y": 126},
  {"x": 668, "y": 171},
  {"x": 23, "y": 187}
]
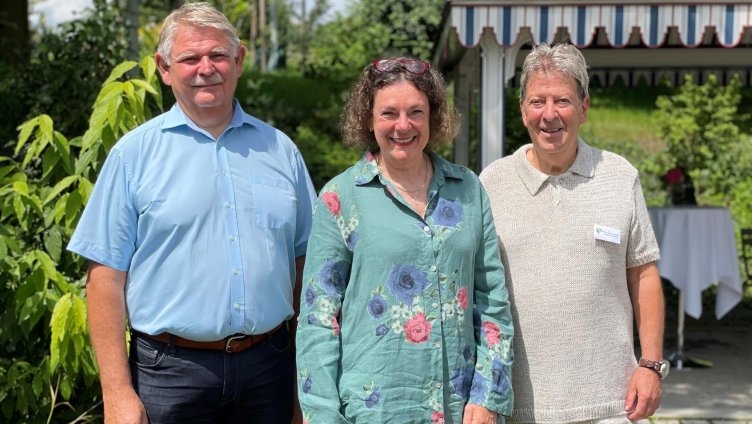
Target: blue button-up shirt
[{"x": 208, "y": 230}]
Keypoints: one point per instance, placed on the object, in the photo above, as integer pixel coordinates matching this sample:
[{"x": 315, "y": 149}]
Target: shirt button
[
  {"x": 435, "y": 305},
  {"x": 232, "y": 238},
  {"x": 224, "y": 172},
  {"x": 433, "y": 268},
  {"x": 235, "y": 271},
  {"x": 228, "y": 205},
  {"x": 438, "y": 385},
  {"x": 426, "y": 228},
  {"x": 236, "y": 306},
  {"x": 438, "y": 344}
]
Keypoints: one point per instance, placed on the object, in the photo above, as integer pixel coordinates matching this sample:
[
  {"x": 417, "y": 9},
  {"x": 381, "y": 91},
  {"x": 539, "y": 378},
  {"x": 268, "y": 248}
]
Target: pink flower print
[
  {"x": 335, "y": 326},
  {"x": 437, "y": 417},
  {"x": 493, "y": 335},
  {"x": 417, "y": 329},
  {"x": 332, "y": 202},
  {"x": 462, "y": 297}
]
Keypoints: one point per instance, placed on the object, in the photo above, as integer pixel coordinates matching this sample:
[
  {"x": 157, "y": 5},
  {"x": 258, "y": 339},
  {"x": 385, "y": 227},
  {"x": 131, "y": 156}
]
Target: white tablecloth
[{"x": 698, "y": 249}]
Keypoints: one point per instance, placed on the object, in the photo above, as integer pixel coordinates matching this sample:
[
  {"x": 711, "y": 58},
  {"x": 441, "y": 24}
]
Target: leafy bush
[
  {"x": 42, "y": 193},
  {"x": 306, "y": 109},
  {"x": 64, "y": 73}
]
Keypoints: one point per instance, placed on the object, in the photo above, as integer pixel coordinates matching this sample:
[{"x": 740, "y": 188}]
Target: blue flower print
[
  {"x": 377, "y": 307},
  {"x": 351, "y": 241},
  {"x": 500, "y": 377},
  {"x": 310, "y": 296},
  {"x": 461, "y": 380},
  {"x": 405, "y": 282},
  {"x": 307, "y": 385},
  {"x": 467, "y": 353},
  {"x": 381, "y": 330},
  {"x": 311, "y": 319},
  {"x": 332, "y": 277},
  {"x": 479, "y": 389},
  {"x": 373, "y": 399},
  {"x": 448, "y": 213}
]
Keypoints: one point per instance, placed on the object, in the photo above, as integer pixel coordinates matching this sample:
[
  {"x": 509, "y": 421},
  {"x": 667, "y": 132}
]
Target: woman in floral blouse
[{"x": 404, "y": 312}]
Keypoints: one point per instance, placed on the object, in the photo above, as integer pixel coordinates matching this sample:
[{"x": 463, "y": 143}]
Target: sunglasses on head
[{"x": 415, "y": 66}]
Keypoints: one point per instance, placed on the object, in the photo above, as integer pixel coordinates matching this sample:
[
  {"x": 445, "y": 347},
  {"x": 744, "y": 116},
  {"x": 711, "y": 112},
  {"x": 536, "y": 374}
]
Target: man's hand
[
  {"x": 124, "y": 408},
  {"x": 476, "y": 414},
  {"x": 644, "y": 394}
]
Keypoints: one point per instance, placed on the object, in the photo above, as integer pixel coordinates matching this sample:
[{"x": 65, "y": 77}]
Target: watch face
[{"x": 664, "y": 368}]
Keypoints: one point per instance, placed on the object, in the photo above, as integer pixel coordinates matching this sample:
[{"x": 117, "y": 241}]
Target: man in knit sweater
[{"x": 579, "y": 253}]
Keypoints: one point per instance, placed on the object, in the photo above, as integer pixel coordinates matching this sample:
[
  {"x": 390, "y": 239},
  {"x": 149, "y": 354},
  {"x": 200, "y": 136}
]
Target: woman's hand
[{"x": 476, "y": 414}]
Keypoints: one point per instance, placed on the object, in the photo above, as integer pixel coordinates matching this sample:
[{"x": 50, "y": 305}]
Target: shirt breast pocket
[{"x": 274, "y": 202}]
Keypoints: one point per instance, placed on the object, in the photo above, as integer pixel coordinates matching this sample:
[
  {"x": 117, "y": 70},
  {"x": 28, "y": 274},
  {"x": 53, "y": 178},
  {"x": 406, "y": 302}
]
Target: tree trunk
[
  {"x": 262, "y": 32},
  {"x": 303, "y": 39},
  {"x": 14, "y": 30},
  {"x": 253, "y": 35},
  {"x": 131, "y": 23}
]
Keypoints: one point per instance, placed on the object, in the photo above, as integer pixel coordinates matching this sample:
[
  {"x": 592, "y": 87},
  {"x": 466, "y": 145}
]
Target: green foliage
[
  {"x": 64, "y": 73},
  {"x": 311, "y": 120},
  {"x": 698, "y": 122},
  {"x": 42, "y": 192},
  {"x": 701, "y": 127},
  {"x": 344, "y": 46}
]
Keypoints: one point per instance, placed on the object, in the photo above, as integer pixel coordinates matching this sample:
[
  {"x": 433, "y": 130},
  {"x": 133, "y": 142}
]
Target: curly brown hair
[{"x": 357, "y": 116}]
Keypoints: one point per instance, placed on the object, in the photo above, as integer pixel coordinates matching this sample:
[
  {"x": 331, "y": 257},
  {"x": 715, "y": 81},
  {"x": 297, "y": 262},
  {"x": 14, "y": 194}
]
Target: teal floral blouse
[{"x": 403, "y": 319}]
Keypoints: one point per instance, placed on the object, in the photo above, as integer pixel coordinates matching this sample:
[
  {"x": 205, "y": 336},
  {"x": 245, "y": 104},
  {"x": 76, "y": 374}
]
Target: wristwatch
[{"x": 660, "y": 367}]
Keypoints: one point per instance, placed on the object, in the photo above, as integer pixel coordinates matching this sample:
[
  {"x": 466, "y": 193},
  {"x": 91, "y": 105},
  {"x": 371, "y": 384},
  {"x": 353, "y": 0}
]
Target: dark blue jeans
[{"x": 185, "y": 386}]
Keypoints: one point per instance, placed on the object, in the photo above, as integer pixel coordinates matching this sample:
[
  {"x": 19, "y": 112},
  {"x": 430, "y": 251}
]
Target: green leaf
[
  {"x": 29, "y": 309},
  {"x": 66, "y": 388},
  {"x": 21, "y": 187},
  {"x": 58, "y": 212},
  {"x": 48, "y": 265},
  {"x": 25, "y": 130},
  {"x": 60, "y": 186},
  {"x": 73, "y": 208},
  {"x": 57, "y": 323},
  {"x": 20, "y": 210},
  {"x": 120, "y": 70},
  {"x": 143, "y": 85},
  {"x": 53, "y": 242},
  {"x": 3, "y": 249},
  {"x": 110, "y": 92},
  {"x": 34, "y": 283},
  {"x": 85, "y": 187}
]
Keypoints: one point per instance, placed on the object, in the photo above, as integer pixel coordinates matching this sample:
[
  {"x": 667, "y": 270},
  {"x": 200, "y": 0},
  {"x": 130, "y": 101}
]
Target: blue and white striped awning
[{"x": 692, "y": 22}]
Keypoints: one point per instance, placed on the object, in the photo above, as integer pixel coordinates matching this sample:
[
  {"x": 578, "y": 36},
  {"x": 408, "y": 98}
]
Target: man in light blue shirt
[{"x": 196, "y": 232}]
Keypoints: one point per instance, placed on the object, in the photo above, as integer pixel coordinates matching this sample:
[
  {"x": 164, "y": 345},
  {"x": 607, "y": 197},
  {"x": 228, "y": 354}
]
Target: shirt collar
[
  {"x": 175, "y": 117},
  {"x": 366, "y": 169},
  {"x": 584, "y": 165}
]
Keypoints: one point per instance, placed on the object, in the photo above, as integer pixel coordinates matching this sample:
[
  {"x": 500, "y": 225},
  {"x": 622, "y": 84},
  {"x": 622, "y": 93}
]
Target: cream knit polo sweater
[{"x": 573, "y": 343}]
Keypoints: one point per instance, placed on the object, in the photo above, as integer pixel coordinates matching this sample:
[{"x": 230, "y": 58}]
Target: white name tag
[{"x": 611, "y": 235}]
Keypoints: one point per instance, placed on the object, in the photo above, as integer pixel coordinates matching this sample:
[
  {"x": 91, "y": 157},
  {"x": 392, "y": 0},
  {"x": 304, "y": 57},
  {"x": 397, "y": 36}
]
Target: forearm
[
  {"x": 105, "y": 291},
  {"x": 648, "y": 305}
]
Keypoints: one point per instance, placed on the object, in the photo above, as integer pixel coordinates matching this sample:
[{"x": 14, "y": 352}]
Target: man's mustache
[{"x": 213, "y": 79}]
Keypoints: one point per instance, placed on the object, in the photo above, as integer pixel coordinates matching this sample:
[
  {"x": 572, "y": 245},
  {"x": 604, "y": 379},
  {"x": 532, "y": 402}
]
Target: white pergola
[{"x": 483, "y": 43}]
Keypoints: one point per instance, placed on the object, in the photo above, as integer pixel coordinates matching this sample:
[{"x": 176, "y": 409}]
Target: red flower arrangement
[{"x": 674, "y": 176}]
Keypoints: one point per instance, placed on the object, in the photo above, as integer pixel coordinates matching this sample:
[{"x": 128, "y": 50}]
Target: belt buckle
[{"x": 228, "y": 347}]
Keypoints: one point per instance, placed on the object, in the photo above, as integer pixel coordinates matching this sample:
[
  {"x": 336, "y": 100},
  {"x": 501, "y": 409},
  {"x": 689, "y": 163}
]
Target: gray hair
[
  {"x": 564, "y": 58},
  {"x": 199, "y": 15}
]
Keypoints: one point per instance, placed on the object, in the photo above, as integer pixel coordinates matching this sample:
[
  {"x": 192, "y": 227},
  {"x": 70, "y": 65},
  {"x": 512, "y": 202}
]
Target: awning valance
[{"x": 693, "y": 23}]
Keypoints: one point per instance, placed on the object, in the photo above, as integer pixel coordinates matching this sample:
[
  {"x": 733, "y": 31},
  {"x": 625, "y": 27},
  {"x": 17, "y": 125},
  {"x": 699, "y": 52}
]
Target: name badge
[{"x": 611, "y": 235}]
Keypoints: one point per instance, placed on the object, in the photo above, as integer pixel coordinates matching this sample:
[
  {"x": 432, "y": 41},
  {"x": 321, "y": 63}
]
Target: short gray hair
[
  {"x": 564, "y": 58},
  {"x": 199, "y": 15}
]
